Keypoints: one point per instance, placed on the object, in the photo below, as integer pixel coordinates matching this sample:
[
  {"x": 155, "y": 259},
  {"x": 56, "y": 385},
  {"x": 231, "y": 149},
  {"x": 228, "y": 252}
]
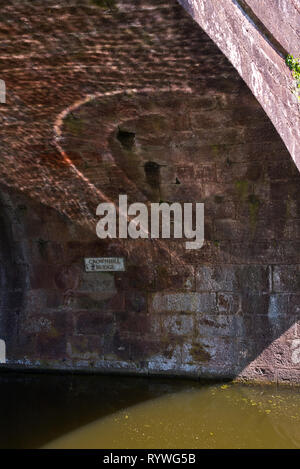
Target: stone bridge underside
[
  {"x": 256, "y": 36},
  {"x": 132, "y": 97}
]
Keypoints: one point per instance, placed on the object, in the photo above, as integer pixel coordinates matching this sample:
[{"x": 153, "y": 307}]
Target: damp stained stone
[{"x": 152, "y": 173}]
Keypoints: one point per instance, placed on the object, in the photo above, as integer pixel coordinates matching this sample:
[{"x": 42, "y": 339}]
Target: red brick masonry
[{"x": 108, "y": 98}]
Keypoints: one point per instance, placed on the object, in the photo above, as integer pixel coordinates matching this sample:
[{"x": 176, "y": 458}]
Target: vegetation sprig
[{"x": 294, "y": 65}]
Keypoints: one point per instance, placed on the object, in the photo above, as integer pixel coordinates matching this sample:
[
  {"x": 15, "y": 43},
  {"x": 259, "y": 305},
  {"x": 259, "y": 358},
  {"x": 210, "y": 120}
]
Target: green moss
[
  {"x": 219, "y": 199},
  {"x": 53, "y": 333},
  {"x": 73, "y": 124},
  {"x": 242, "y": 189},
  {"x": 105, "y": 4},
  {"x": 254, "y": 205},
  {"x": 294, "y": 65},
  {"x": 215, "y": 149},
  {"x": 288, "y": 207},
  {"x": 199, "y": 353}
]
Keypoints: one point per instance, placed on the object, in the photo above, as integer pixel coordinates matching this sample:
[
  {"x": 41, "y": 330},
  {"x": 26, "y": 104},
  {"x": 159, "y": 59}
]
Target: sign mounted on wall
[
  {"x": 2, "y": 92},
  {"x": 104, "y": 264},
  {"x": 2, "y": 351}
]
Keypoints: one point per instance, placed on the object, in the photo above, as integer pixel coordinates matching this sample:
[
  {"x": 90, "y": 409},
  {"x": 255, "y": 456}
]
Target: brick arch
[
  {"x": 217, "y": 311},
  {"x": 256, "y": 38}
]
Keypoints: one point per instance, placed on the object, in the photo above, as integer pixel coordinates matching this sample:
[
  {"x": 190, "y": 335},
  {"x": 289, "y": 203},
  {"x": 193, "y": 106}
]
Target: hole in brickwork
[{"x": 127, "y": 139}]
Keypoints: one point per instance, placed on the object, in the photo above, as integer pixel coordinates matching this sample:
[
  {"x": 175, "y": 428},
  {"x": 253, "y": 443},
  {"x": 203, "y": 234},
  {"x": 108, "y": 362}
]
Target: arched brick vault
[
  {"x": 80, "y": 77},
  {"x": 256, "y": 36}
]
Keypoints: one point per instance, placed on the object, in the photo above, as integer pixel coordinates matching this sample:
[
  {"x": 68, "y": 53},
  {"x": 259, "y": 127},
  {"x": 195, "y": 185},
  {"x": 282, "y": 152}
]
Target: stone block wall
[
  {"x": 116, "y": 100},
  {"x": 256, "y": 37}
]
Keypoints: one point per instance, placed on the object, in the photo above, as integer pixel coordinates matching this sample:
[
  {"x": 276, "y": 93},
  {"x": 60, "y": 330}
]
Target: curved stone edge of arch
[
  {"x": 262, "y": 68},
  {"x": 282, "y": 18}
]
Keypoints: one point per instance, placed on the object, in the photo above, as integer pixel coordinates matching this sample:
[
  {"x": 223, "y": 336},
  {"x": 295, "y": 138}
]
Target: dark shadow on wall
[{"x": 14, "y": 278}]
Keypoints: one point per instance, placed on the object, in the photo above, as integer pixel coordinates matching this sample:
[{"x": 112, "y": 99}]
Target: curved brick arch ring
[
  {"x": 255, "y": 43},
  {"x": 58, "y": 124}
]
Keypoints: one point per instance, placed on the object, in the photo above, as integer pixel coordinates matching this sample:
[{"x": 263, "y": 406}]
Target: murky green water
[
  {"x": 118, "y": 412},
  {"x": 210, "y": 417}
]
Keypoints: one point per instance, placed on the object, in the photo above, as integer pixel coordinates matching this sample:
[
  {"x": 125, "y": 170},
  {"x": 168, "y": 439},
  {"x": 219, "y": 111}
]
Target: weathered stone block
[
  {"x": 285, "y": 169},
  {"x": 286, "y": 278},
  {"x": 211, "y": 355},
  {"x": 215, "y": 325},
  {"x": 176, "y": 325},
  {"x": 232, "y": 278},
  {"x": 175, "y": 276},
  {"x": 278, "y": 306},
  {"x": 134, "y": 324},
  {"x": 42, "y": 276},
  {"x": 205, "y": 120},
  {"x": 95, "y": 323},
  {"x": 95, "y": 291},
  {"x": 285, "y": 375},
  {"x": 219, "y": 207},
  {"x": 228, "y": 229},
  {"x": 294, "y": 304},
  {"x": 184, "y": 302},
  {"x": 281, "y": 354},
  {"x": 216, "y": 278},
  {"x": 172, "y": 192},
  {"x": 94, "y": 301},
  {"x": 261, "y": 251},
  {"x": 255, "y": 304},
  {"x": 135, "y": 301},
  {"x": 228, "y": 303},
  {"x": 267, "y": 329},
  {"x": 99, "y": 282},
  {"x": 143, "y": 349},
  {"x": 85, "y": 347},
  {"x": 165, "y": 361},
  {"x": 291, "y": 229},
  {"x": 67, "y": 277},
  {"x": 51, "y": 336},
  {"x": 244, "y": 325},
  {"x": 219, "y": 189},
  {"x": 254, "y": 373},
  {"x": 212, "y": 251},
  {"x": 231, "y": 171}
]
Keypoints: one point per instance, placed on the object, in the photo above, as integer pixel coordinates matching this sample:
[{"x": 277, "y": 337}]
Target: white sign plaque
[
  {"x": 104, "y": 264},
  {"x": 2, "y": 351}
]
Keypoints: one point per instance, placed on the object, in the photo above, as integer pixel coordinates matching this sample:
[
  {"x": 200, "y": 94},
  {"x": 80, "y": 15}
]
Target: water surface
[
  {"x": 220, "y": 416},
  {"x": 85, "y": 411}
]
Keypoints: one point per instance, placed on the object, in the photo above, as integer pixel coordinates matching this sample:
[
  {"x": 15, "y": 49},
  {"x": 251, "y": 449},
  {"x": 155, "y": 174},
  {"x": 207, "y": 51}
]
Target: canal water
[{"x": 83, "y": 411}]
